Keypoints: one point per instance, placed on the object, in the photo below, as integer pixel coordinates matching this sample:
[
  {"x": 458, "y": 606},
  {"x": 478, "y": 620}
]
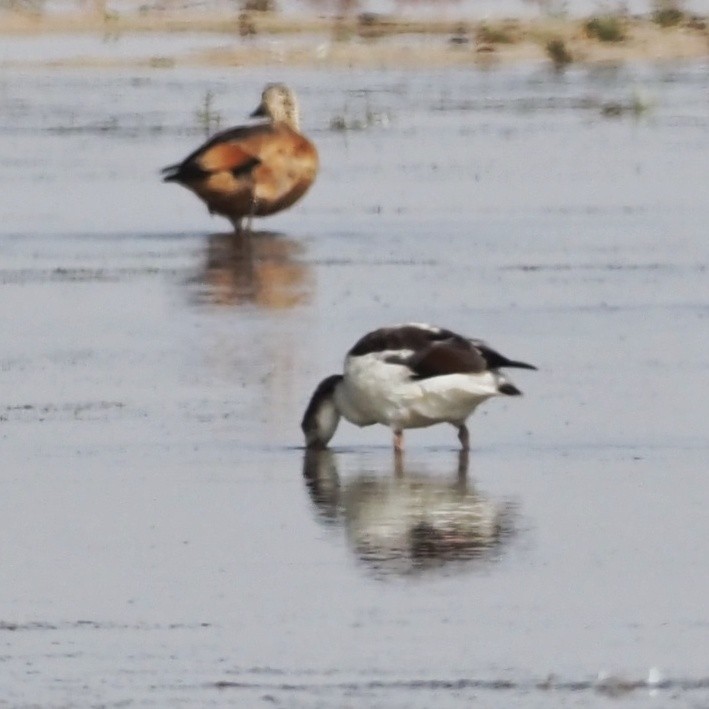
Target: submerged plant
[
  {"x": 207, "y": 117},
  {"x": 361, "y": 120},
  {"x": 638, "y": 104}
]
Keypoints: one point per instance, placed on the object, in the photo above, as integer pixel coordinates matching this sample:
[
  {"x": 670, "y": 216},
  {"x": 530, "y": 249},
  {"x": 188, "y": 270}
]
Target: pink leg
[
  {"x": 464, "y": 437},
  {"x": 398, "y": 441}
]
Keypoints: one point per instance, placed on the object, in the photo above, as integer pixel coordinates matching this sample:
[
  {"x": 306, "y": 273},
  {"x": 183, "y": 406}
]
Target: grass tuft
[
  {"x": 208, "y": 119},
  {"x": 495, "y": 34},
  {"x": 605, "y": 28},
  {"x": 558, "y": 53},
  {"x": 668, "y": 13}
]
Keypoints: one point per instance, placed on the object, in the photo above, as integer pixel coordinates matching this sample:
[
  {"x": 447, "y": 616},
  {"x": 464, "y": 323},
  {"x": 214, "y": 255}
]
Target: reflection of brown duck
[
  {"x": 408, "y": 523},
  {"x": 262, "y": 270},
  {"x": 252, "y": 171}
]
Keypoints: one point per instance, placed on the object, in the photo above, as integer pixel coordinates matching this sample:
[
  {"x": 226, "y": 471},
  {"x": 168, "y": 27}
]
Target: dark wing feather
[
  {"x": 495, "y": 360},
  {"x": 447, "y": 357},
  {"x": 230, "y": 135},
  {"x": 405, "y": 337},
  {"x": 221, "y": 152},
  {"x": 435, "y": 351}
]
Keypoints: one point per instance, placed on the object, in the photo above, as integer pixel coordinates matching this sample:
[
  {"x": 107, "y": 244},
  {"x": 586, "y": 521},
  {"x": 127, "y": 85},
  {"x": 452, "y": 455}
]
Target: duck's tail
[
  {"x": 509, "y": 389},
  {"x": 171, "y": 173},
  {"x": 514, "y": 363}
]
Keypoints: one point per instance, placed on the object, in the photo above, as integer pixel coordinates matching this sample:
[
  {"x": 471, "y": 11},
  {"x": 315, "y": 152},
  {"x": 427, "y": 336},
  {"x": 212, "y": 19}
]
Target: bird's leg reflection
[
  {"x": 398, "y": 463},
  {"x": 463, "y": 465},
  {"x": 262, "y": 268},
  {"x": 462, "y": 469},
  {"x": 464, "y": 437},
  {"x": 398, "y": 440}
]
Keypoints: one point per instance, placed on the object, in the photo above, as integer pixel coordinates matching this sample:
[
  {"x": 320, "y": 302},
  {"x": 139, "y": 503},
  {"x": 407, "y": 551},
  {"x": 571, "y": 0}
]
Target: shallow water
[
  {"x": 109, "y": 46},
  {"x": 166, "y": 540}
]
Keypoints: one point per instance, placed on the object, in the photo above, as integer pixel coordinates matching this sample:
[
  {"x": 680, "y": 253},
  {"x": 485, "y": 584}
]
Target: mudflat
[
  {"x": 167, "y": 540},
  {"x": 384, "y": 42}
]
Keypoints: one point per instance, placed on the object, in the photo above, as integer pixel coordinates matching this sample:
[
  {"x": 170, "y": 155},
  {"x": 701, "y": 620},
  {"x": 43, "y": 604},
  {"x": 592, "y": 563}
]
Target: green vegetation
[
  {"x": 668, "y": 13},
  {"x": 606, "y": 28},
  {"x": 558, "y": 53},
  {"x": 28, "y": 7},
  {"x": 363, "y": 118},
  {"x": 161, "y": 62},
  {"x": 495, "y": 34},
  {"x": 259, "y": 6},
  {"x": 208, "y": 119}
]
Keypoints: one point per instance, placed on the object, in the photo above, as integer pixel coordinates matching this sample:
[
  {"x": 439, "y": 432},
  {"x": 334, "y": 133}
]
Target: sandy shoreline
[{"x": 310, "y": 42}]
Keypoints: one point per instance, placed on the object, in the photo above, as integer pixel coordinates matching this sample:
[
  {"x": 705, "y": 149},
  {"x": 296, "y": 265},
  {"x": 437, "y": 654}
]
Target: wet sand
[{"x": 168, "y": 542}]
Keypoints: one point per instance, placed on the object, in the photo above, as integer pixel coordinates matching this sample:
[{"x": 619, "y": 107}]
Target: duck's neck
[
  {"x": 347, "y": 406},
  {"x": 291, "y": 119},
  {"x": 287, "y": 113}
]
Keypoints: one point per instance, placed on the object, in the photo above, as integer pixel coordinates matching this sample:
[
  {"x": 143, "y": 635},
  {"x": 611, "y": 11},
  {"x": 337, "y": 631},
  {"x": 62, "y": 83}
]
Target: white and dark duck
[
  {"x": 409, "y": 376},
  {"x": 254, "y": 170}
]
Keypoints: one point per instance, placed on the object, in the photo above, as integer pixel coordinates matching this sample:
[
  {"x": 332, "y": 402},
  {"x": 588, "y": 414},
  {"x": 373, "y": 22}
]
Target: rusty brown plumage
[{"x": 252, "y": 171}]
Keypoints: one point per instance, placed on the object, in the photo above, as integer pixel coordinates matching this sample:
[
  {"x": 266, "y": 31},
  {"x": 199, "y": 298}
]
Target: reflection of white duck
[
  {"x": 408, "y": 376},
  {"x": 409, "y": 522}
]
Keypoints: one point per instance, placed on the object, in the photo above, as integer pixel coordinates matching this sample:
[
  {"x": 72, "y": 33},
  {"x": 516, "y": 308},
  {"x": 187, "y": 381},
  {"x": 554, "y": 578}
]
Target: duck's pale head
[
  {"x": 279, "y": 105},
  {"x": 322, "y": 415}
]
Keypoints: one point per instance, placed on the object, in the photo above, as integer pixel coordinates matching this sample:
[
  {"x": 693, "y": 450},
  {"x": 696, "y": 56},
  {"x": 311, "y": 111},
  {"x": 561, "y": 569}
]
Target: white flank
[{"x": 376, "y": 391}]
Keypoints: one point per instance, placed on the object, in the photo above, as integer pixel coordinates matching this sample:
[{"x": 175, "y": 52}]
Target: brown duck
[{"x": 252, "y": 171}]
